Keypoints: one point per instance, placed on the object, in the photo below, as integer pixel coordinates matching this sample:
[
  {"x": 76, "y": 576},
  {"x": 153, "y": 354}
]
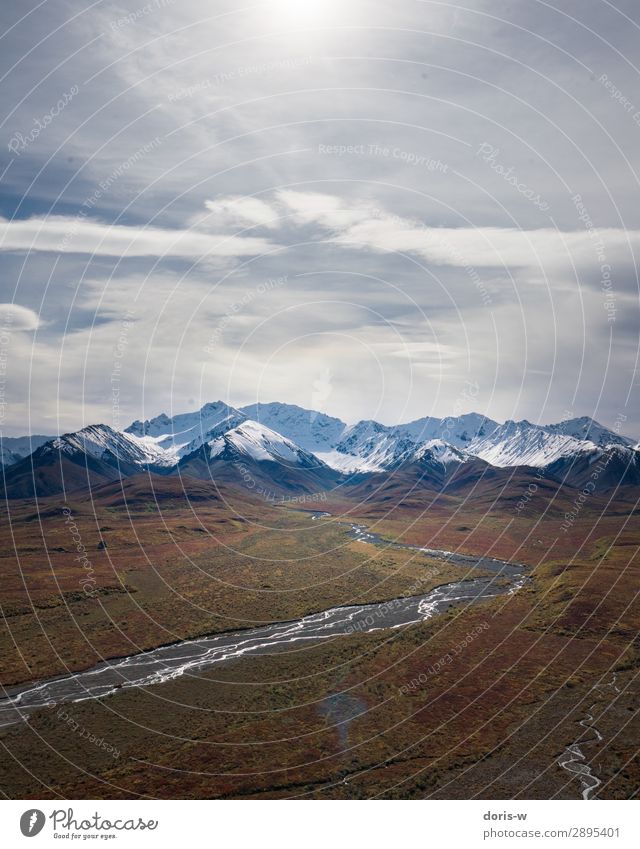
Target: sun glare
[{"x": 303, "y": 13}]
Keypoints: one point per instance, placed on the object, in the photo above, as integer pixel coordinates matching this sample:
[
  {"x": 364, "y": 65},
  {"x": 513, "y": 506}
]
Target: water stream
[{"x": 190, "y": 656}]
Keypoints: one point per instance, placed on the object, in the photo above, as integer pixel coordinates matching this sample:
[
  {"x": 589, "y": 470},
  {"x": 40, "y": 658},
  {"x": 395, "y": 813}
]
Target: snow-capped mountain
[
  {"x": 601, "y": 467},
  {"x": 586, "y": 428},
  {"x": 260, "y": 460},
  {"x": 14, "y": 448},
  {"x": 524, "y": 444},
  {"x": 432, "y": 467},
  {"x": 457, "y": 430},
  {"x": 181, "y": 435},
  {"x": 443, "y": 452},
  {"x": 371, "y": 447},
  {"x": 259, "y": 443},
  {"x": 280, "y": 437},
  {"x": 563, "y": 452},
  {"x": 68, "y": 463},
  {"x": 313, "y": 431},
  {"x": 111, "y": 446},
  {"x": 434, "y": 462}
]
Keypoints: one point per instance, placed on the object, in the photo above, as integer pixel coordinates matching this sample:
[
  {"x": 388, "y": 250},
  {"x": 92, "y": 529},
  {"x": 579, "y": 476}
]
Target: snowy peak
[
  {"x": 186, "y": 432},
  {"x": 525, "y": 444},
  {"x": 184, "y": 424},
  {"x": 382, "y": 447},
  {"x": 598, "y": 467},
  {"x": 309, "y": 429},
  {"x": 375, "y": 447},
  {"x": 112, "y": 446},
  {"x": 362, "y": 432},
  {"x": 256, "y": 442},
  {"x": 303, "y": 439},
  {"x": 437, "y": 449},
  {"x": 213, "y": 411},
  {"x": 458, "y": 431},
  {"x": 586, "y": 428}
]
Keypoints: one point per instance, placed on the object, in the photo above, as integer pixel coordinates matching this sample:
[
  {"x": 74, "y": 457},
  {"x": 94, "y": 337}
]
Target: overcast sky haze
[{"x": 378, "y": 210}]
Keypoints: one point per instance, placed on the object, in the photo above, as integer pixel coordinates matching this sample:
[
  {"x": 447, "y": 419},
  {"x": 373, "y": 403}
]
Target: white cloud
[
  {"x": 325, "y": 210},
  {"x": 364, "y": 226},
  {"x": 241, "y": 211},
  {"x": 240, "y": 114},
  {"x": 16, "y": 317},
  {"x": 64, "y": 234}
]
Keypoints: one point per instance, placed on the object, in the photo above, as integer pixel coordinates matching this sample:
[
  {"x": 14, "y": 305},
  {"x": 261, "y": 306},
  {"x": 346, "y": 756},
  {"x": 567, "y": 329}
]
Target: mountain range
[{"x": 276, "y": 449}]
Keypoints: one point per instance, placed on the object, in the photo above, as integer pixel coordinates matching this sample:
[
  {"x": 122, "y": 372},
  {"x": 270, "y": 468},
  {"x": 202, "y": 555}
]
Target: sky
[{"x": 380, "y": 211}]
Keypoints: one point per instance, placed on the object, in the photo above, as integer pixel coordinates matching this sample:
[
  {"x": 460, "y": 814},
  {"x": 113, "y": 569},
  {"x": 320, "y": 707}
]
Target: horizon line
[{"x": 440, "y": 419}]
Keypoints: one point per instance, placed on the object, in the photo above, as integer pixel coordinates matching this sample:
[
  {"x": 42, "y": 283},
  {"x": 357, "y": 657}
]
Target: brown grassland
[{"x": 338, "y": 719}]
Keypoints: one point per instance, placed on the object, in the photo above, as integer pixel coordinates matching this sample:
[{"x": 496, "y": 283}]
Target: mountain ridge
[{"x": 295, "y": 446}]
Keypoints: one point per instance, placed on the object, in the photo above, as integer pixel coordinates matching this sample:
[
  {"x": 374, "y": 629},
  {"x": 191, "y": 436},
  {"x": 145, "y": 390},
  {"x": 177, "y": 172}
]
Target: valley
[
  {"x": 437, "y": 629},
  {"x": 189, "y": 656},
  {"x": 456, "y": 705}
]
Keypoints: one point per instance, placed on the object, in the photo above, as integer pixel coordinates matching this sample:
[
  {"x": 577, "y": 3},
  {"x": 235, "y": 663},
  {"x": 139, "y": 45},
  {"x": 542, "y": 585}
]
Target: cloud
[
  {"x": 66, "y": 234},
  {"x": 395, "y": 271},
  {"x": 367, "y": 227},
  {"x": 325, "y": 210},
  {"x": 241, "y": 211},
  {"x": 15, "y": 317}
]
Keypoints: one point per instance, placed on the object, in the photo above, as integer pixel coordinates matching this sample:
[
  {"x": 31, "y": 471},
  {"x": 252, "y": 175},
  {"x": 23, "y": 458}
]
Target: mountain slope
[
  {"x": 261, "y": 461},
  {"x": 369, "y": 446},
  {"x": 15, "y": 448},
  {"x": 181, "y": 435},
  {"x": 588, "y": 429},
  {"x": 372, "y": 447},
  {"x": 298, "y": 447},
  {"x": 524, "y": 444},
  {"x": 50, "y": 472},
  {"x": 437, "y": 450},
  {"x": 122, "y": 450},
  {"x": 595, "y": 468},
  {"x": 91, "y": 456},
  {"x": 146, "y": 491},
  {"x": 458, "y": 431},
  {"x": 310, "y": 430}
]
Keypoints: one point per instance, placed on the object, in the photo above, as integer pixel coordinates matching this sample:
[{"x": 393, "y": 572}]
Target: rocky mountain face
[{"x": 294, "y": 447}]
